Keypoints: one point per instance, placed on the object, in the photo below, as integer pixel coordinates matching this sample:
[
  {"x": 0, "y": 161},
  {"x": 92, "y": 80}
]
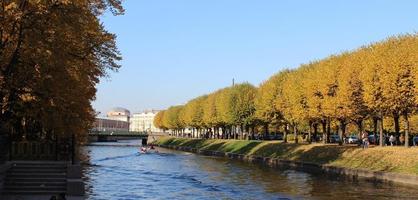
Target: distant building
[
  {"x": 144, "y": 122},
  {"x": 110, "y": 125},
  {"x": 120, "y": 114}
]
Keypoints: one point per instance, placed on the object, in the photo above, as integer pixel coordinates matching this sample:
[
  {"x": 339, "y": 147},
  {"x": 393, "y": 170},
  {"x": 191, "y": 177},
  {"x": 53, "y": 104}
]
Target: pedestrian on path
[
  {"x": 392, "y": 140},
  {"x": 365, "y": 139}
]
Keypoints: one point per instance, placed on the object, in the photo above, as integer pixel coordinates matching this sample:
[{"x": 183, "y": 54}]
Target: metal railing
[{"x": 62, "y": 149}]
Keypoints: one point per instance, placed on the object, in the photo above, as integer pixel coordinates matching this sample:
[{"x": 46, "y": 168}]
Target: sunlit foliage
[
  {"x": 52, "y": 54},
  {"x": 367, "y": 86}
]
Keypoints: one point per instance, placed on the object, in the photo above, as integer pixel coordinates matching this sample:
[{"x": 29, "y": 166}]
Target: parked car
[
  {"x": 352, "y": 139},
  {"x": 415, "y": 140},
  {"x": 373, "y": 139},
  {"x": 276, "y": 137},
  {"x": 334, "y": 139}
]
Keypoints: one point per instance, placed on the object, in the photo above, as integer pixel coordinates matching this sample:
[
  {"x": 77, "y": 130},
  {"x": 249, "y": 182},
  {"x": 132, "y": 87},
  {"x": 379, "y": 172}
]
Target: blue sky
[{"x": 175, "y": 50}]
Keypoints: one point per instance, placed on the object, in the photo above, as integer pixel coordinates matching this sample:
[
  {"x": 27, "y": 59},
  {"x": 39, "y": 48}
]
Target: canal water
[{"x": 118, "y": 171}]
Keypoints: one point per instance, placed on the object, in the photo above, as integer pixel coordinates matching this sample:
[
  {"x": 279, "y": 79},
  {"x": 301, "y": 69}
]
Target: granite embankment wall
[{"x": 385, "y": 164}]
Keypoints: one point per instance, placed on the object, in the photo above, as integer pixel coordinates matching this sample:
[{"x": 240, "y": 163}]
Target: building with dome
[{"x": 120, "y": 114}]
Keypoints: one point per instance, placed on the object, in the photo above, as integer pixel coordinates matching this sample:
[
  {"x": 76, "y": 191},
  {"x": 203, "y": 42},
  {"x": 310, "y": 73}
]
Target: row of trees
[
  {"x": 52, "y": 54},
  {"x": 366, "y": 86}
]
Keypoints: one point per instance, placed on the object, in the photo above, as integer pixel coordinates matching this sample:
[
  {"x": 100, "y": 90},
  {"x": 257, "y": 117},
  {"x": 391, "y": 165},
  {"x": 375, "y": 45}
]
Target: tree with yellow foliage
[
  {"x": 289, "y": 103},
  {"x": 211, "y": 115},
  {"x": 172, "y": 120},
  {"x": 243, "y": 108},
  {"x": 158, "y": 120},
  {"x": 193, "y": 114},
  {"x": 371, "y": 83},
  {"x": 267, "y": 93},
  {"x": 397, "y": 61},
  {"x": 350, "y": 96},
  {"x": 52, "y": 55}
]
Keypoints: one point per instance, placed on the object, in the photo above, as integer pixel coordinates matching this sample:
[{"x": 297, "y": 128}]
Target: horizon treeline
[
  {"x": 52, "y": 55},
  {"x": 368, "y": 88}
]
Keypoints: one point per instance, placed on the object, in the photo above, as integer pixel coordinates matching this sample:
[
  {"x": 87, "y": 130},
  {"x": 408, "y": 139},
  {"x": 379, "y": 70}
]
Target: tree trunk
[
  {"x": 223, "y": 132},
  {"x": 375, "y": 124},
  {"x": 328, "y": 129},
  {"x": 266, "y": 131},
  {"x": 324, "y": 131},
  {"x": 397, "y": 126},
  {"x": 286, "y": 131},
  {"x": 359, "y": 127},
  {"x": 381, "y": 131},
  {"x": 295, "y": 132},
  {"x": 244, "y": 131},
  {"x": 310, "y": 133},
  {"x": 235, "y": 132},
  {"x": 315, "y": 127},
  {"x": 406, "y": 127},
  {"x": 342, "y": 131}
]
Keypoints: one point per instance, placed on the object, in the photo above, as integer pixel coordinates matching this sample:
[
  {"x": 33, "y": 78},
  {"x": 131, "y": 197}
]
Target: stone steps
[
  {"x": 34, "y": 188},
  {"x": 41, "y": 170},
  {"x": 32, "y": 180},
  {"x": 33, "y": 192},
  {"x": 35, "y": 183},
  {"x": 36, "y": 178}
]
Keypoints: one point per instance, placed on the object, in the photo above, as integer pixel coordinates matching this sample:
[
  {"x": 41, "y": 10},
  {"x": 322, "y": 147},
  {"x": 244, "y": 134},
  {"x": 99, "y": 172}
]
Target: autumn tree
[
  {"x": 211, "y": 115},
  {"x": 193, "y": 114},
  {"x": 267, "y": 93},
  {"x": 243, "y": 108},
  {"x": 223, "y": 106},
  {"x": 398, "y": 60},
  {"x": 172, "y": 120},
  {"x": 371, "y": 83},
  {"x": 52, "y": 54},
  {"x": 158, "y": 120}
]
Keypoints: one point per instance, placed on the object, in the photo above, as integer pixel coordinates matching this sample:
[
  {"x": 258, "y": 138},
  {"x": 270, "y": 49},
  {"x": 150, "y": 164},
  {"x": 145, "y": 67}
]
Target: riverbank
[{"x": 394, "y": 164}]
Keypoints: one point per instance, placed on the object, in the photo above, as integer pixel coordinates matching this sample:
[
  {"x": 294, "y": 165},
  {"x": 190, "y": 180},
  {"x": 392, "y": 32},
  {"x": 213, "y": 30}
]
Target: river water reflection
[{"x": 120, "y": 172}]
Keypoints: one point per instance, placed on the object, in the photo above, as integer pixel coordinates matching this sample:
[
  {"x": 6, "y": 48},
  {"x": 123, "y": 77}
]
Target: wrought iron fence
[{"x": 61, "y": 149}]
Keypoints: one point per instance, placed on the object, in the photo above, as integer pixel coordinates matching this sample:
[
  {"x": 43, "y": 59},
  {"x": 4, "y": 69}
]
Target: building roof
[
  {"x": 119, "y": 109},
  {"x": 147, "y": 112}
]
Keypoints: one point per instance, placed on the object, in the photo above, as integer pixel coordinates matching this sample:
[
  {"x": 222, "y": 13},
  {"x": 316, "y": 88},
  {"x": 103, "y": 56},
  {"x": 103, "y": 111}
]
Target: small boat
[
  {"x": 150, "y": 149},
  {"x": 143, "y": 150}
]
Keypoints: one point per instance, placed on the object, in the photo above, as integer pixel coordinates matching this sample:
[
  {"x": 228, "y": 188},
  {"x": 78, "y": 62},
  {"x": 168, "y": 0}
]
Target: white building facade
[
  {"x": 144, "y": 122},
  {"x": 118, "y": 113}
]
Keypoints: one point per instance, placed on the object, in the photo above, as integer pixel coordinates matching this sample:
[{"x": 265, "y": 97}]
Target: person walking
[
  {"x": 392, "y": 140},
  {"x": 365, "y": 139},
  {"x": 402, "y": 139}
]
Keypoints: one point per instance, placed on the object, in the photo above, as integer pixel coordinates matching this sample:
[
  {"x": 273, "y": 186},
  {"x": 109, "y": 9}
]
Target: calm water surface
[{"x": 120, "y": 172}]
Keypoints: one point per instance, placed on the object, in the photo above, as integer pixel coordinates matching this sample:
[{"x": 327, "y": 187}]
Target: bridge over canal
[{"x": 110, "y": 136}]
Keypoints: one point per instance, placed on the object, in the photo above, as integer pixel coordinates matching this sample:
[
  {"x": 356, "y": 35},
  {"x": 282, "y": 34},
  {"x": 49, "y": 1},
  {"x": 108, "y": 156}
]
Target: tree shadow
[
  {"x": 245, "y": 149},
  {"x": 215, "y": 146},
  {"x": 322, "y": 154}
]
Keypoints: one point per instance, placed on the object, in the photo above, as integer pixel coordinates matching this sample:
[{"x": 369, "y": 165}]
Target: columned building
[
  {"x": 103, "y": 125},
  {"x": 120, "y": 114},
  {"x": 116, "y": 119},
  {"x": 144, "y": 122}
]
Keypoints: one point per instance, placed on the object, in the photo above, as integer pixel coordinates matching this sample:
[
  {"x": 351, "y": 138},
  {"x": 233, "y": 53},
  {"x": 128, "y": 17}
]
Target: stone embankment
[{"x": 382, "y": 164}]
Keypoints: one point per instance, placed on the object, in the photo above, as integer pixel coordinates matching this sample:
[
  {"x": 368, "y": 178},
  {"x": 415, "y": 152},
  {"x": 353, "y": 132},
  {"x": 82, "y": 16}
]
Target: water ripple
[{"x": 123, "y": 173}]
